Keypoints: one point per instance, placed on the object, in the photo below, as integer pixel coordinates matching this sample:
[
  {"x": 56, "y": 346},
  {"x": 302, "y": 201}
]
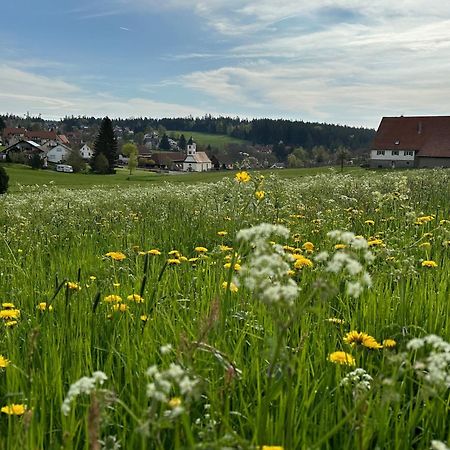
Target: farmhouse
[
  {"x": 422, "y": 141},
  {"x": 23, "y": 151},
  {"x": 196, "y": 161},
  {"x": 58, "y": 154},
  {"x": 86, "y": 152}
]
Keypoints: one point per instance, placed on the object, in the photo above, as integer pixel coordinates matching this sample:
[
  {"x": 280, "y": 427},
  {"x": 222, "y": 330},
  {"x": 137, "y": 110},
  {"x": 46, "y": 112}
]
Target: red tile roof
[{"x": 428, "y": 135}]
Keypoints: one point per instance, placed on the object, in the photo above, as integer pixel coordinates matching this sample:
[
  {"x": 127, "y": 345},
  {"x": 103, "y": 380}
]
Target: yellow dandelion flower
[
  {"x": 360, "y": 338},
  {"x": 154, "y": 252},
  {"x": 389, "y": 343},
  {"x": 144, "y": 317},
  {"x": 92, "y": 278},
  {"x": 116, "y": 285},
  {"x": 174, "y": 402},
  {"x": 193, "y": 260},
  {"x": 242, "y": 177},
  {"x": 201, "y": 249},
  {"x": 3, "y": 362},
  {"x": 425, "y": 245},
  {"x": 173, "y": 261},
  {"x": 73, "y": 286},
  {"x": 232, "y": 287},
  {"x": 222, "y": 233},
  {"x": 342, "y": 358},
  {"x": 369, "y": 222},
  {"x": 8, "y": 305},
  {"x": 259, "y": 195},
  {"x": 340, "y": 246},
  {"x": 444, "y": 222},
  {"x": 9, "y": 314},
  {"x": 308, "y": 246},
  {"x": 14, "y": 409},
  {"x": 291, "y": 273},
  {"x": 43, "y": 306},
  {"x": 113, "y": 298},
  {"x": 430, "y": 264},
  {"x": 116, "y": 256},
  {"x": 183, "y": 259},
  {"x": 135, "y": 298},
  {"x": 303, "y": 262},
  {"x": 121, "y": 307},
  {"x": 174, "y": 253},
  {"x": 375, "y": 243},
  {"x": 272, "y": 447},
  {"x": 225, "y": 248},
  {"x": 10, "y": 323}
]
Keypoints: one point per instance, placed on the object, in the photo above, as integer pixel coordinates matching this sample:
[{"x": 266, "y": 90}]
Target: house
[
  {"x": 86, "y": 152},
  {"x": 168, "y": 160},
  {"x": 196, "y": 161},
  {"x": 58, "y": 154},
  {"x": 422, "y": 141},
  {"x": 23, "y": 151}
]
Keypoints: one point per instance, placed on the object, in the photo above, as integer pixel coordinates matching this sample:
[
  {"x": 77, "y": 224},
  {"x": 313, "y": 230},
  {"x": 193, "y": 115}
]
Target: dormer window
[{"x": 397, "y": 142}]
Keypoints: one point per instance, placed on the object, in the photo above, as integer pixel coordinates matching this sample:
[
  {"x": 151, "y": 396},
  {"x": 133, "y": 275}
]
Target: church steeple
[{"x": 191, "y": 147}]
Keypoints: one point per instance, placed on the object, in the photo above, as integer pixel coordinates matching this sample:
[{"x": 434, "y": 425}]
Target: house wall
[
  {"x": 425, "y": 161},
  {"x": 390, "y": 155},
  {"x": 391, "y": 163},
  {"x": 57, "y": 154}
]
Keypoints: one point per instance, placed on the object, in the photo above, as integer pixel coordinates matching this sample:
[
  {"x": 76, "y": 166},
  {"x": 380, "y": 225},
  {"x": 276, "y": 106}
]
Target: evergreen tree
[
  {"x": 105, "y": 144},
  {"x": 2, "y": 125},
  {"x": 182, "y": 142},
  {"x": 191, "y": 141},
  {"x": 164, "y": 144}
]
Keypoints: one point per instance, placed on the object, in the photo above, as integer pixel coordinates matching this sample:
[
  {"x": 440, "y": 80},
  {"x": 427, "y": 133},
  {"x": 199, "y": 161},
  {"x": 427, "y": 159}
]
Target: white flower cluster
[
  {"x": 266, "y": 272},
  {"x": 84, "y": 385},
  {"x": 439, "y": 445},
  {"x": 359, "y": 380},
  {"x": 172, "y": 381},
  {"x": 348, "y": 263},
  {"x": 435, "y": 367}
]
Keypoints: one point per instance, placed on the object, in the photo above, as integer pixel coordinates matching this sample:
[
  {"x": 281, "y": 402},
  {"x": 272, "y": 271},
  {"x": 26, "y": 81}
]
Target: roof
[
  {"x": 41, "y": 134},
  {"x": 198, "y": 157},
  {"x": 166, "y": 158},
  {"x": 428, "y": 135},
  {"x": 11, "y": 131}
]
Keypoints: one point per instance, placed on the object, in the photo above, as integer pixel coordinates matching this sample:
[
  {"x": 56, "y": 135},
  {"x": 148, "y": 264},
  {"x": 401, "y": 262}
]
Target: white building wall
[{"x": 403, "y": 155}]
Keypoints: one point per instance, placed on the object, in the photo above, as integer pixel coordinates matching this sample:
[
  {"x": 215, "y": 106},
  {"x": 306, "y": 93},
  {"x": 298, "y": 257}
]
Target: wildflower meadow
[{"x": 248, "y": 313}]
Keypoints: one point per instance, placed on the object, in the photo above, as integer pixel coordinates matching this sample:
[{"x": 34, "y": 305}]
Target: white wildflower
[
  {"x": 439, "y": 445},
  {"x": 164, "y": 349}
]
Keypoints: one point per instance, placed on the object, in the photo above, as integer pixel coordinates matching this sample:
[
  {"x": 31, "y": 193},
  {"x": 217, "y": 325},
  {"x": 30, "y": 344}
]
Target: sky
[{"x": 343, "y": 61}]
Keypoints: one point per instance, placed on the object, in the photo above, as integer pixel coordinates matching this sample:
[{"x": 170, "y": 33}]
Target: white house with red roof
[{"x": 420, "y": 141}]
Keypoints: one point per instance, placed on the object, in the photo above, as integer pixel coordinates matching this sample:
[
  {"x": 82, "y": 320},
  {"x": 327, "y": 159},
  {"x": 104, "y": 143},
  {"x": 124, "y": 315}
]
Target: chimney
[{"x": 419, "y": 128}]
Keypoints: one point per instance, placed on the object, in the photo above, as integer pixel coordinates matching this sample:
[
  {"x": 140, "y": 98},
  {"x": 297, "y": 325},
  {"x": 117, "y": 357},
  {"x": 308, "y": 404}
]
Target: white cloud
[{"x": 24, "y": 91}]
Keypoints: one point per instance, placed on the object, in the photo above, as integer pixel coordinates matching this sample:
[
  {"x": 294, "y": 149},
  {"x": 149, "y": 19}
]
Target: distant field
[
  {"x": 24, "y": 175},
  {"x": 204, "y": 139}
]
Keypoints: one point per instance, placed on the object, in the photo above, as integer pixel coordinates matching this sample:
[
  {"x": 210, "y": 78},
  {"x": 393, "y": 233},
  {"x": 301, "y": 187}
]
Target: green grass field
[
  {"x": 294, "y": 310},
  {"x": 218, "y": 141},
  {"x": 21, "y": 175}
]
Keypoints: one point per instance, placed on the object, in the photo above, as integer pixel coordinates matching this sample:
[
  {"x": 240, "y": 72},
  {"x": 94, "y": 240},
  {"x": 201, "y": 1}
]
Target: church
[{"x": 196, "y": 161}]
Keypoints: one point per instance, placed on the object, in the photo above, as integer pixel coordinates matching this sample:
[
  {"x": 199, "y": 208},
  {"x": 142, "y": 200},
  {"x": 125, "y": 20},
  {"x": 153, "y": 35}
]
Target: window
[
  {"x": 395, "y": 153},
  {"x": 380, "y": 152},
  {"x": 408, "y": 153}
]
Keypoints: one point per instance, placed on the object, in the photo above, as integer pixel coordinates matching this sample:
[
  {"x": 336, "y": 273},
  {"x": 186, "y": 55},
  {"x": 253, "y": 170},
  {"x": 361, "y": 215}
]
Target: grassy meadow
[{"x": 271, "y": 311}]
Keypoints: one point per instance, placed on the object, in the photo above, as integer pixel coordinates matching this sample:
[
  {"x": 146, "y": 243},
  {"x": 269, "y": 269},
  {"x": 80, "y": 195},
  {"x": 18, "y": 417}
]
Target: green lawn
[
  {"x": 218, "y": 141},
  {"x": 20, "y": 175}
]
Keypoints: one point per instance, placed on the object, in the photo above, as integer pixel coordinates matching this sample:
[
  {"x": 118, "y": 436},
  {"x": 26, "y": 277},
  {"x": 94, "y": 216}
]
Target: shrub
[{"x": 4, "y": 179}]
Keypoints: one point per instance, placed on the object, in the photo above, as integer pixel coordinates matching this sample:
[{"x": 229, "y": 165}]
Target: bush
[{"x": 4, "y": 179}]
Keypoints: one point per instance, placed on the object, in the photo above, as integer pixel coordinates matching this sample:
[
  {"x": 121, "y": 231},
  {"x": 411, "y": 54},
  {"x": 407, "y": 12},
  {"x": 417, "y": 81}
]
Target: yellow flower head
[
  {"x": 9, "y": 314},
  {"x": 174, "y": 253},
  {"x": 14, "y": 410},
  {"x": 342, "y": 358},
  {"x": 201, "y": 249},
  {"x": 72, "y": 286},
  {"x": 259, "y": 195},
  {"x": 173, "y": 261},
  {"x": 308, "y": 246},
  {"x": 335, "y": 320},
  {"x": 425, "y": 245},
  {"x": 10, "y": 323},
  {"x": 222, "y": 233},
  {"x": 8, "y": 305},
  {"x": 43, "y": 306},
  {"x": 174, "y": 402},
  {"x": 340, "y": 246},
  {"x": 92, "y": 278},
  {"x": 389, "y": 343},
  {"x": 430, "y": 264},
  {"x": 154, "y": 252},
  {"x": 225, "y": 248},
  {"x": 272, "y": 447},
  {"x": 116, "y": 256},
  {"x": 302, "y": 262},
  {"x": 369, "y": 222},
  {"x": 242, "y": 177},
  {"x": 120, "y": 307},
  {"x": 360, "y": 338},
  {"x": 375, "y": 243},
  {"x": 135, "y": 298},
  {"x": 3, "y": 362},
  {"x": 144, "y": 318},
  {"x": 232, "y": 287},
  {"x": 113, "y": 298}
]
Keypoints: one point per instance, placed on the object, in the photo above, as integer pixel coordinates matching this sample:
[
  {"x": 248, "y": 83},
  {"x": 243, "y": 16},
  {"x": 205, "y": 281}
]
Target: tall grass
[{"x": 260, "y": 372}]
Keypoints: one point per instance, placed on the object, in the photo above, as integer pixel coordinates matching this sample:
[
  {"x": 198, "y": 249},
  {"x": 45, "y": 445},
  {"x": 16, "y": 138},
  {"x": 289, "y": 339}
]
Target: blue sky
[{"x": 341, "y": 61}]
